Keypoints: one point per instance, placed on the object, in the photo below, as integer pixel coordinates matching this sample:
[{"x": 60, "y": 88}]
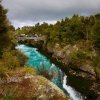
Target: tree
[
  {"x": 76, "y": 28},
  {"x": 4, "y": 28},
  {"x": 88, "y": 24},
  {"x": 96, "y": 33}
]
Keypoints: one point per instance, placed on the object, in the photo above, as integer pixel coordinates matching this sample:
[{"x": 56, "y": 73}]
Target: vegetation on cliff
[{"x": 9, "y": 57}]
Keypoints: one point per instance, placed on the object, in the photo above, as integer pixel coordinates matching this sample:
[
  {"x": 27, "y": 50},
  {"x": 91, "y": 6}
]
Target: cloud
[
  {"x": 23, "y": 11},
  {"x": 17, "y": 23}
]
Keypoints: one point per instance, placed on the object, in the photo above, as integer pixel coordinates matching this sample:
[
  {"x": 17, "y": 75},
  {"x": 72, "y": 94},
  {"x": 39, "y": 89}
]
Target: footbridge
[{"x": 23, "y": 37}]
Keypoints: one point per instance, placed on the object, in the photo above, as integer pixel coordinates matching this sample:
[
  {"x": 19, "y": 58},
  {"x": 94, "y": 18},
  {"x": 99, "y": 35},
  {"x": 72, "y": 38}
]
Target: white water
[{"x": 72, "y": 92}]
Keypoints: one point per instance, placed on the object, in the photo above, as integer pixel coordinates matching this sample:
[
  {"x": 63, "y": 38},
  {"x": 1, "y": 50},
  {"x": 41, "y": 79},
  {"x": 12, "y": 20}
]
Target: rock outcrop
[{"x": 29, "y": 87}]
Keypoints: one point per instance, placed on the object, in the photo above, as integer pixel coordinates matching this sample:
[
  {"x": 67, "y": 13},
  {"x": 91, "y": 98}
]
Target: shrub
[
  {"x": 21, "y": 58},
  {"x": 44, "y": 72},
  {"x": 78, "y": 55},
  {"x": 29, "y": 70},
  {"x": 10, "y": 60},
  {"x": 3, "y": 70}
]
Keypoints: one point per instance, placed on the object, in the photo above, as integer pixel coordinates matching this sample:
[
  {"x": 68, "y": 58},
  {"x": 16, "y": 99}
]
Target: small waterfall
[{"x": 72, "y": 92}]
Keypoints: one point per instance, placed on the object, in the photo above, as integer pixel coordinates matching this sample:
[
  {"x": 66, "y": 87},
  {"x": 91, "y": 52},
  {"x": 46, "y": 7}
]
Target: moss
[{"x": 8, "y": 97}]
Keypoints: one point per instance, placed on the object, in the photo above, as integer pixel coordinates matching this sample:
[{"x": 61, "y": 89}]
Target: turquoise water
[{"x": 37, "y": 60}]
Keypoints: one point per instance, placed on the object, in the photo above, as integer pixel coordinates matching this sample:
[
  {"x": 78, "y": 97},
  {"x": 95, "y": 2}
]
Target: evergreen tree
[
  {"x": 96, "y": 33},
  {"x": 4, "y": 28}
]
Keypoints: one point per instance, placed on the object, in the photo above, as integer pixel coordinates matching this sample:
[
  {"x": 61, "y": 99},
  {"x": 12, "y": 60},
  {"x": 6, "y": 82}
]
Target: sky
[{"x": 29, "y": 12}]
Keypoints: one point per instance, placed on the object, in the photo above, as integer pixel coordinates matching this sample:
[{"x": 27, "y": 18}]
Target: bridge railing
[{"x": 29, "y": 38}]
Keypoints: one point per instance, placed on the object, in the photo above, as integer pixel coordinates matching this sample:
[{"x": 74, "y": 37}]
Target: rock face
[
  {"x": 29, "y": 87},
  {"x": 79, "y": 70},
  {"x": 63, "y": 55}
]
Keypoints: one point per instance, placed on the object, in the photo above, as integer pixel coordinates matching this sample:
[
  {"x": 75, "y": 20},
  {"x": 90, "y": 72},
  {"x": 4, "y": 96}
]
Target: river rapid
[{"x": 39, "y": 61}]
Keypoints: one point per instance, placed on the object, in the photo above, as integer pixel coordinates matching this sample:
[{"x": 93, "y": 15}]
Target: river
[{"x": 38, "y": 60}]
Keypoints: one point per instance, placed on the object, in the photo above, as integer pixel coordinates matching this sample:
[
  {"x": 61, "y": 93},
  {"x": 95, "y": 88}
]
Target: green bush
[
  {"x": 10, "y": 61},
  {"x": 78, "y": 55},
  {"x": 45, "y": 73},
  {"x": 3, "y": 71}
]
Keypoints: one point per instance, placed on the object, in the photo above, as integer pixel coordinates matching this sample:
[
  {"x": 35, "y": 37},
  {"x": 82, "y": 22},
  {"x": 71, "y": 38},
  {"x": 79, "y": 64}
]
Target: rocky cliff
[
  {"x": 78, "y": 62},
  {"x": 22, "y": 85}
]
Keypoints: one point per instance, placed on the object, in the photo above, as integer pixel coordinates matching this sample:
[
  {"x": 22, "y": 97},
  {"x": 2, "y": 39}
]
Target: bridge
[{"x": 29, "y": 37}]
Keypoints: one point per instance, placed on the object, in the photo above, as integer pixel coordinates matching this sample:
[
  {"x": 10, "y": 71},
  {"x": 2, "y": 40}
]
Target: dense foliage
[
  {"x": 68, "y": 30},
  {"x": 6, "y": 30},
  {"x": 9, "y": 57}
]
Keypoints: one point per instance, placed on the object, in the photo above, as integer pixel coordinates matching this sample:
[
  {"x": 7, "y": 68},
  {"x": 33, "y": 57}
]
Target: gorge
[{"x": 38, "y": 60}]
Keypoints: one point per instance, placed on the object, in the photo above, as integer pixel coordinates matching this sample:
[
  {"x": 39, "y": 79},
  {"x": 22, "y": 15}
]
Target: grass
[{"x": 45, "y": 73}]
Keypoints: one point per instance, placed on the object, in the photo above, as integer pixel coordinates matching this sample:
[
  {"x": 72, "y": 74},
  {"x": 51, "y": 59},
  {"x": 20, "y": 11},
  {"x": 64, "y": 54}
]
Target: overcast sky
[{"x": 29, "y": 12}]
